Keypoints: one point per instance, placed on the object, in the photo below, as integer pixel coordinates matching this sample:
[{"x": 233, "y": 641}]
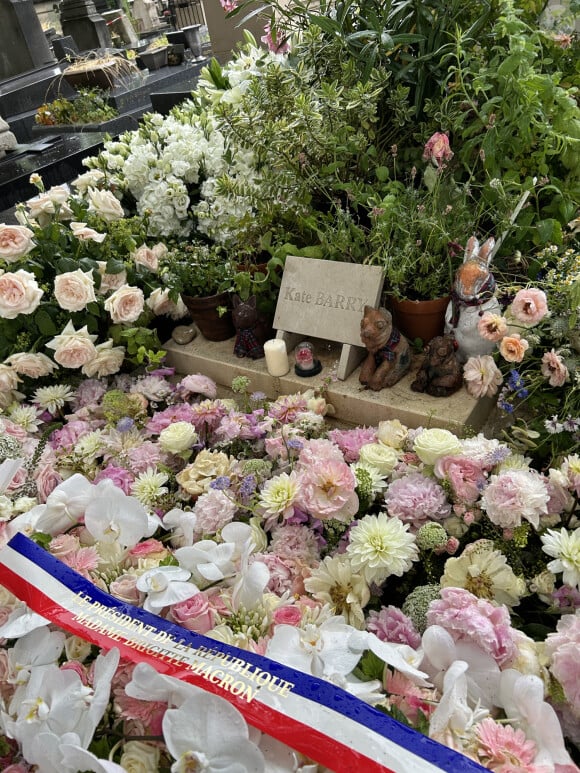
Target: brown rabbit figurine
[{"x": 389, "y": 356}]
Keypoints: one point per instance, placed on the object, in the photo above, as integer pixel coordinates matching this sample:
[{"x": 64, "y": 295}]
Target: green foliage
[
  {"x": 197, "y": 270},
  {"x": 90, "y": 106}
]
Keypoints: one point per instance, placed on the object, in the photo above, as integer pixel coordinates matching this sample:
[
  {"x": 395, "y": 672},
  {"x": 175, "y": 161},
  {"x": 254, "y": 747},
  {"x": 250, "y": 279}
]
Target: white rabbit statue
[{"x": 472, "y": 295}]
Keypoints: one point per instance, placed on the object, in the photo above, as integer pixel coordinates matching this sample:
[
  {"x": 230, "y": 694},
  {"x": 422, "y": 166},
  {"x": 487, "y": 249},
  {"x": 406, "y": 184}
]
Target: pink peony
[
  {"x": 471, "y": 619},
  {"x": 174, "y": 413},
  {"x": 390, "y": 624},
  {"x": 514, "y": 495},
  {"x": 482, "y": 376},
  {"x": 195, "y": 614},
  {"x": 465, "y": 476},
  {"x": 350, "y": 441},
  {"x": 529, "y": 306},
  {"x": 65, "y": 439},
  {"x": 554, "y": 370},
  {"x": 121, "y": 477},
  {"x": 288, "y": 407},
  {"x": 296, "y": 543},
  {"x": 416, "y": 499},
  {"x": 318, "y": 450},
  {"x": 281, "y": 573},
  {"x": 327, "y": 490}
]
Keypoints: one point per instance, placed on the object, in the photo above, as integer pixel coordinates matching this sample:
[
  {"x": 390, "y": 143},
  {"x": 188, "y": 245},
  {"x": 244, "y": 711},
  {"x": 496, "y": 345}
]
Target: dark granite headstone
[
  {"x": 24, "y": 46},
  {"x": 80, "y": 20},
  {"x": 65, "y": 48}
]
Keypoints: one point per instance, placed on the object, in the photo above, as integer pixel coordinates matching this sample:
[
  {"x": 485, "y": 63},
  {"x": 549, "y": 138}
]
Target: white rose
[
  {"x": 140, "y": 757},
  {"x": 31, "y": 365},
  {"x": 110, "y": 281},
  {"x": 52, "y": 202},
  {"x": 392, "y": 433},
  {"x": 105, "y": 204},
  {"x": 161, "y": 304},
  {"x": 431, "y": 444},
  {"x": 177, "y": 437},
  {"x": 383, "y": 458},
  {"x": 86, "y": 234},
  {"x": 16, "y": 241},
  {"x": 73, "y": 348},
  {"x": 108, "y": 360},
  {"x": 88, "y": 180},
  {"x": 73, "y": 290},
  {"x": 19, "y": 294},
  {"x": 8, "y": 379},
  {"x": 125, "y": 304},
  {"x": 77, "y": 648},
  {"x": 147, "y": 257}
]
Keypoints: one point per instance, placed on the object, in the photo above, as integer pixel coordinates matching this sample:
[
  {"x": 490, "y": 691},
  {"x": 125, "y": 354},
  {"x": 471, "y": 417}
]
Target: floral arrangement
[
  {"x": 259, "y": 524},
  {"x": 78, "y": 291},
  {"x": 90, "y": 106},
  {"x": 533, "y": 371}
]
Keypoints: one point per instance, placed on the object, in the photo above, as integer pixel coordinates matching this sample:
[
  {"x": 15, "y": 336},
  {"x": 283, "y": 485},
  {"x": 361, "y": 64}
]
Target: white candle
[{"x": 276, "y": 357}]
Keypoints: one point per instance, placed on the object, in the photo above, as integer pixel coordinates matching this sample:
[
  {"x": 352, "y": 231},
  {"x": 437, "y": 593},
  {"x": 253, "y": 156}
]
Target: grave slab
[{"x": 353, "y": 404}]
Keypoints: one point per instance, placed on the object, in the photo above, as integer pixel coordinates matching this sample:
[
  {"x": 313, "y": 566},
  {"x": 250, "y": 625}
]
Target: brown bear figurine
[
  {"x": 389, "y": 356},
  {"x": 440, "y": 374}
]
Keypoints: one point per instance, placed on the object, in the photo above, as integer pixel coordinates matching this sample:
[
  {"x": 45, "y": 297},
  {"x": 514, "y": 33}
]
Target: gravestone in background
[
  {"x": 23, "y": 44},
  {"x": 80, "y": 20}
]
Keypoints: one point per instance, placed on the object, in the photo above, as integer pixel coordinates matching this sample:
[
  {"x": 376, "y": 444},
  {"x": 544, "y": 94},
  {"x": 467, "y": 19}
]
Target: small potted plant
[{"x": 203, "y": 276}]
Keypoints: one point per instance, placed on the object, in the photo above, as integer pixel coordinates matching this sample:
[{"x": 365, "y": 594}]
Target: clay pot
[
  {"x": 420, "y": 319},
  {"x": 204, "y": 312}
]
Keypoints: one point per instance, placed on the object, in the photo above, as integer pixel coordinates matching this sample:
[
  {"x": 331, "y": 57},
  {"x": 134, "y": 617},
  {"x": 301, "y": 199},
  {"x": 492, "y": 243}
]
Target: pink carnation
[
  {"x": 121, "y": 477},
  {"x": 390, "y": 624},
  {"x": 296, "y": 543},
  {"x": 350, "y": 441},
  {"x": 471, "y": 619},
  {"x": 465, "y": 476},
  {"x": 416, "y": 499},
  {"x": 144, "y": 457},
  {"x": 529, "y": 306}
]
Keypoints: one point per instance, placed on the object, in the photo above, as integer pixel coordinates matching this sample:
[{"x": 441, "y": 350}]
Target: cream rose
[
  {"x": 31, "y": 365},
  {"x": 125, "y": 304},
  {"x": 161, "y": 304},
  {"x": 8, "y": 379},
  {"x": 107, "y": 361},
  {"x": 73, "y": 348},
  {"x": 434, "y": 443},
  {"x": 392, "y": 433},
  {"x": 86, "y": 234},
  {"x": 147, "y": 257},
  {"x": 383, "y": 458},
  {"x": 105, "y": 204},
  {"x": 87, "y": 180},
  {"x": 19, "y": 294},
  {"x": 178, "y": 437},
  {"x": 208, "y": 465},
  {"x": 48, "y": 204},
  {"x": 110, "y": 281},
  {"x": 73, "y": 290},
  {"x": 77, "y": 648},
  {"x": 140, "y": 757},
  {"x": 16, "y": 241}
]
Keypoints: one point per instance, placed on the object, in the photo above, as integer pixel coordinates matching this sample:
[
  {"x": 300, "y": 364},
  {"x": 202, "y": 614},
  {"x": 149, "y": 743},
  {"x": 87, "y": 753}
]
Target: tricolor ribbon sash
[{"x": 313, "y": 716}]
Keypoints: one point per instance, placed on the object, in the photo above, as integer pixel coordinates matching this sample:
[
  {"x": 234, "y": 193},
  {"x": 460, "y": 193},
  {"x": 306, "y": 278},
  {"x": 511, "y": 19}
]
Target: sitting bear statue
[
  {"x": 251, "y": 328},
  {"x": 389, "y": 356},
  {"x": 440, "y": 374},
  {"x": 472, "y": 295}
]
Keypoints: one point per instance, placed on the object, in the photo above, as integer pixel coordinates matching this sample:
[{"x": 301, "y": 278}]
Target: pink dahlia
[
  {"x": 416, "y": 499},
  {"x": 471, "y": 619}
]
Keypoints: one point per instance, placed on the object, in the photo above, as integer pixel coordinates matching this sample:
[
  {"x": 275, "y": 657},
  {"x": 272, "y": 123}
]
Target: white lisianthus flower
[
  {"x": 431, "y": 444},
  {"x": 178, "y": 437},
  {"x": 334, "y": 582},
  {"x": 380, "y": 546},
  {"x": 52, "y": 398},
  {"x": 484, "y": 571},
  {"x": 564, "y": 547}
]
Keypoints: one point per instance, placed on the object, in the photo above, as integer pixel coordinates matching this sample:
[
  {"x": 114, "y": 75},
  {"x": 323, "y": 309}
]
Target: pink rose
[
  {"x": 492, "y": 326},
  {"x": 78, "y": 668},
  {"x": 110, "y": 281},
  {"x": 85, "y": 234},
  {"x": 554, "y": 370},
  {"x": 19, "y": 294},
  {"x": 287, "y": 615},
  {"x": 437, "y": 149},
  {"x": 47, "y": 479},
  {"x": 465, "y": 476},
  {"x": 125, "y": 304},
  {"x": 16, "y": 241},
  {"x": 529, "y": 306},
  {"x": 148, "y": 257},
  {"x": 150, "y": 548},
  {"x": 195, "y": 613},
  {"x": 50, "y": 203},
  {"x": 105, "y": 204},
  {"x": 125, "y": 589},
  {"x": 513, "y": 347},
  {"x": 8, "y": 379},
  {"x": 73, "y": 290}
]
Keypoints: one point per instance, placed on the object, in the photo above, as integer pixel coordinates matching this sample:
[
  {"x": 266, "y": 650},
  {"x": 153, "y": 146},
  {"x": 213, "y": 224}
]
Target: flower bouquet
[{"x": 435, "y": 578}]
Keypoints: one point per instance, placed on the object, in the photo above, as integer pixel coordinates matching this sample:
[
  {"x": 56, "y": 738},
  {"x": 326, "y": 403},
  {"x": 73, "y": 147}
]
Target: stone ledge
[{"x": 352, "y": 403}]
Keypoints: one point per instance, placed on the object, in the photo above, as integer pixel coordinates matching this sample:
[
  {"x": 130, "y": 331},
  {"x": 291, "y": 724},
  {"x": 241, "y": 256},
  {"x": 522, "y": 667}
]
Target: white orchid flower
[
  {"x": 63, "y": 754},
  {"x": 207, "y": 560},
  {"x": 40, "y": 647},
  {"x": 252, "y": 580},
  {"x": 147, "y": 684},
  {"x": 165, "y": 586},
  {"x": 522, "y": 698},
  {"x": 453, "y": 714},
  {"x": 21, "y": 621},
  {"x": 483, "y": 673},
  {"x": 183, "y": 524},
  {"x": 112, "y": 516},
  {"x": 207, "y": 733},
  {"x": 401, "y": 657},
  {"x": 66, "y": 505}
]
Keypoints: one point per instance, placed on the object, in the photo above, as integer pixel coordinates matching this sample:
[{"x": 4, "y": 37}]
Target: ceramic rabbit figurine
[{"x": 472, "y": 295}]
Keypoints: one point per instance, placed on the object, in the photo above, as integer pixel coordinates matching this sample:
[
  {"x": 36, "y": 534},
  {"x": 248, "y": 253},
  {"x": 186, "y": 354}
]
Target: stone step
[{"x": 353, "y": 404}]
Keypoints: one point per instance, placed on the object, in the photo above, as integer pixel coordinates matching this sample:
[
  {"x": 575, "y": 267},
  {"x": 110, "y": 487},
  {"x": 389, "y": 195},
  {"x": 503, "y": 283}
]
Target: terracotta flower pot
[
  {"x": 420, "y": 319},
  {"x": 204, "y": 312}
]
